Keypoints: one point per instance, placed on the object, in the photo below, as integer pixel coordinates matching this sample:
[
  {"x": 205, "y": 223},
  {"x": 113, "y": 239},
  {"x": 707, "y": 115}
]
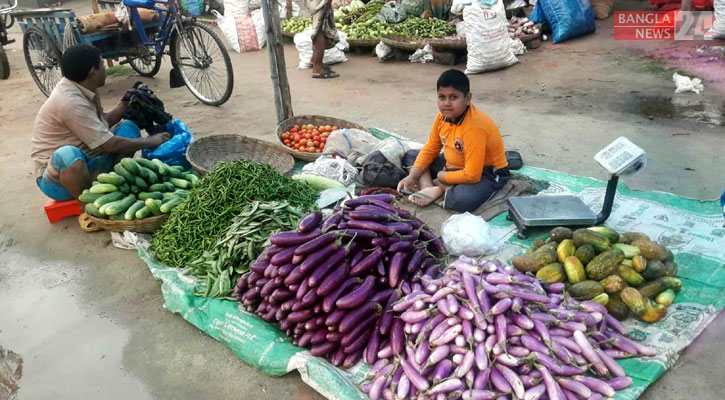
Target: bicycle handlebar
[{"x": 10, "y": 7}]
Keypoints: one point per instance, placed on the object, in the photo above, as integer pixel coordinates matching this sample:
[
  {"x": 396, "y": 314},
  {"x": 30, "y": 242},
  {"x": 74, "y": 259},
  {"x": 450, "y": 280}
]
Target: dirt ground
[{"x": 88, "y": 319}]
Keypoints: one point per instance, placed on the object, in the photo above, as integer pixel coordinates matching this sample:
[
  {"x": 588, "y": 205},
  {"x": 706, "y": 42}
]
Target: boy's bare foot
[{"x": 426, "y": 196}]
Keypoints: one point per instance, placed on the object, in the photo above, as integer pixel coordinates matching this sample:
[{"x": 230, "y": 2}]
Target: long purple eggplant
[
  {"x": 328, "y": 303},
  {"x": 357, "y": 296},
  {"x": 355, "y": 315}
]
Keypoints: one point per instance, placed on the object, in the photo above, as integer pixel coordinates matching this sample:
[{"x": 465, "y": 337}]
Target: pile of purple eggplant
[
  {"x": 486, "y": 331},
  {"x": 331, "y": 284}
]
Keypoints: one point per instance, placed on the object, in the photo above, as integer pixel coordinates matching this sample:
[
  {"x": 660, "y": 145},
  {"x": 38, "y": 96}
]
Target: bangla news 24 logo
[{"x": 663, "y": 25}]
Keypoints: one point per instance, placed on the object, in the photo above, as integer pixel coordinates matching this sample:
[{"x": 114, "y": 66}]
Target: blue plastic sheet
[
  {"x": 173, "y": 151},
  {"x": 568, "y": 18}
]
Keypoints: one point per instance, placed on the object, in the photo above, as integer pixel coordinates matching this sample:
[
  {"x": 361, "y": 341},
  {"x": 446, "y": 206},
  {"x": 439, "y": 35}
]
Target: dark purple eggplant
[
  {"x": 366, "y": 325},
  {"x": 401, "y": 228},
  {"x": 323, "y": 349},
  {"x": 359, "y": 343},
  {"x": 318, "y": 257},
  {"x": 382, "y": 296},
  {"x": 354, "y": 316},
  {"x": 281, "y": 295},
  {"x": 370, "y": 226},
  {"x": 382, "y": 241},
  {"x": 258, "y": 267},
  {"x": 318, "y": 275},
  {"x": 373, "y": 346},
  {"x": 300, "y": 316},
  {"x": 387, "y": 318},
  {"x": 333, "y": 280},
  {"x": 359, "y": 295},
  {"x": 328, "y": 303},
  {"x": 316, "y": 244},
  {"x": 335, "y": 317},
  {"x": 364, "y": 215},
  {"x": 400, "y": 247},
  {"x": 334, "y": 336},
  {"x": 283, "y": 257},
  {"x": 310, "y": 222},
  {"x": 366, "y": 263},
  {"x": 331, "y": 222},
  {"x": 396, "y": 269},
  {"x": 309, "y": 298},
  {"x": 303, "y": 289},
  {"x": 293, "y": 238},
  {"x": 352, "y": 359},
  {"x": 357, "y": 233}
]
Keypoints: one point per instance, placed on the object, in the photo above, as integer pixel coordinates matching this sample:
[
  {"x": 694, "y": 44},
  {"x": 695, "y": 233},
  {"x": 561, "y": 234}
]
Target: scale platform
[{"x": 533, "y": 211}]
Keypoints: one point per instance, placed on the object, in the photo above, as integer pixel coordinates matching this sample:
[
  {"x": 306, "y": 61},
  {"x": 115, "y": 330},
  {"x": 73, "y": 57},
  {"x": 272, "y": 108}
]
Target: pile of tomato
[{"x": 307, "y": 138}]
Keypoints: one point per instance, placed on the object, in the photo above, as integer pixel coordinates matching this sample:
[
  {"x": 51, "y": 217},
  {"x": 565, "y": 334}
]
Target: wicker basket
[
  {"x": 206, "y": 152},
  {"x": 287, "y": 124},
  {"x": 363, "y": 42},
  {"x": 408, "y": 43},
  {"x": 288, "y": 34},
  {"x": 447, "y": 44},
  {"x": 90, "y": 223}
]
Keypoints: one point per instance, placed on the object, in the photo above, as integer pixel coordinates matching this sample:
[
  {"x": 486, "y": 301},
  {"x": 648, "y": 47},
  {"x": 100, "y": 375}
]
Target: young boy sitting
[{"x": 472, "y": 167}]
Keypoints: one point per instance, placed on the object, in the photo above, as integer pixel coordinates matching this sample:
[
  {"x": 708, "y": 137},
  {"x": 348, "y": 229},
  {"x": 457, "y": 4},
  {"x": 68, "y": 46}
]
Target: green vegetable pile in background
[
  {"x": 296, "y": 24},
  {"x": 210, "y": 207},
  {"x": 240, "y": 245}
]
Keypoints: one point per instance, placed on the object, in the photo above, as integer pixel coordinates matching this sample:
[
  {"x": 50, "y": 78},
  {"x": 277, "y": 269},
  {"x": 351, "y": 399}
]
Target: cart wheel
[
  {"x": 147, "y": 65},
  {"x": 43, "y": 59},
  {"x": 4, "y": 64},
  {"x": 203, "y": 62}
]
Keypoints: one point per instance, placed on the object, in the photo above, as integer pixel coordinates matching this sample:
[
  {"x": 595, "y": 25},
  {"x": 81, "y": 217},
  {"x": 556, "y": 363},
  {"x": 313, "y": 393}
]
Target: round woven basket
[
  {"x": 363, "y": 42},
  {"x": 90, "y": 223},
  {"x": 447, "y": 44},
  {"x": 288, "y": 34},
  {"x": 206, "y": 152},
  {"x": 311, "y": 120},
  {"x": 408, "y": 43}
]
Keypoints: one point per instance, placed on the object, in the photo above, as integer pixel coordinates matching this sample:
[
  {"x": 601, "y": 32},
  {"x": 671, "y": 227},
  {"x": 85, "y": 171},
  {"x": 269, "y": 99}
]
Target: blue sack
[
  {"x": 173, "y": 151},
  {"x": 568, "y": 18}
]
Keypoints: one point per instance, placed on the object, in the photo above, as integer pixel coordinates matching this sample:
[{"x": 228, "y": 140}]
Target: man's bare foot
[{"x": 426, "y": 196}]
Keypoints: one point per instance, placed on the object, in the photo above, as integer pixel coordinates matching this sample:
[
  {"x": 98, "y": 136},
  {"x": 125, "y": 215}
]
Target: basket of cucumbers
[{"x": 136, "y": 196}]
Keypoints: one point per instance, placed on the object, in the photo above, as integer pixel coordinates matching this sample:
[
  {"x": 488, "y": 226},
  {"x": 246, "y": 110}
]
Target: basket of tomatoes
[{"x": 305, "y": 136}]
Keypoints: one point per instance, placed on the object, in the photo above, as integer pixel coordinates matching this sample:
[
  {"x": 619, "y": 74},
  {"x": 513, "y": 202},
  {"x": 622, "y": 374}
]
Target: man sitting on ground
[
  {"x": 473, "y": 165},
  {"x": 72, "y": 142}
]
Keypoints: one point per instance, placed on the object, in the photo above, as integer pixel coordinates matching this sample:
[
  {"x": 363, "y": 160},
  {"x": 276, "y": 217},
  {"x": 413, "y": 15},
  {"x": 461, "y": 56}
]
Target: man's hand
[
  {"x": 159, "y": 138},
  {"x": 408, "y": 183}
]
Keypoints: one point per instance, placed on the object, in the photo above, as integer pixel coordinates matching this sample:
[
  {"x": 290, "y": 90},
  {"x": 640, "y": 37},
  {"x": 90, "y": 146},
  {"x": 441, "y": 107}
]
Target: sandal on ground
[{"x": 326, "y": 74}]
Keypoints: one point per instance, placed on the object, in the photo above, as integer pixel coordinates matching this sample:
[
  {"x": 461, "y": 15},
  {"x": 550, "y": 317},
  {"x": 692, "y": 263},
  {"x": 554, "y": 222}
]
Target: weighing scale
[{"x": 620, "y": 158}]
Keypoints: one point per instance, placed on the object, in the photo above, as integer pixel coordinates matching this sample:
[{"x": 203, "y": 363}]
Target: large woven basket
[
  {"x": 288, "y": 34},
  {"x": 407, "y": 43},
  {"x": 447, "y": 44},
  {"x": 363, "y": 42},
  {"x": 311, "y": 120},
  {"x": 206, "y": 152},
  {"x": 90, "y": 223}
]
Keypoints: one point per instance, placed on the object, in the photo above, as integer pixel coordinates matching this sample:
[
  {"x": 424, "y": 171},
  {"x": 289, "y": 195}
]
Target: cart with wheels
[
  {"x": 199, "y": 59},
  {"x": 6, "y": 21}
]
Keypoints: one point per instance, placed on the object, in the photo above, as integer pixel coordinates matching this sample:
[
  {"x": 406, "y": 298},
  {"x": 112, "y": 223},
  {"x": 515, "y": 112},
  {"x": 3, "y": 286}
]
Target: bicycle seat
[{"x": 139, "y": 3}]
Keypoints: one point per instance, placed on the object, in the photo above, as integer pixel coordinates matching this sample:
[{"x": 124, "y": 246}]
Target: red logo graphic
[{"x": 458, "y": 144}]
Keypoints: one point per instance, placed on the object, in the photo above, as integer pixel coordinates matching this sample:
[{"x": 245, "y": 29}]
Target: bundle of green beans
[
  {"x": 240, "y": 245},
  {"x": 208, "y": 210}
]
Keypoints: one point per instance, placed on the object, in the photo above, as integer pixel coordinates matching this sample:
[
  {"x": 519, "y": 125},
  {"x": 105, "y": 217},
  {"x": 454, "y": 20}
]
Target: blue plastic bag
[
  {"x": 568, "y": 18},
  {"x": 173, "y": 151}
]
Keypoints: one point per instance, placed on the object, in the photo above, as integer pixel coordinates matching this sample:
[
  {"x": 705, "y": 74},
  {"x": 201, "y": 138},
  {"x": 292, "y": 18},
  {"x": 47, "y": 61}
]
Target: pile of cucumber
[{"x": 137, "y": 189}]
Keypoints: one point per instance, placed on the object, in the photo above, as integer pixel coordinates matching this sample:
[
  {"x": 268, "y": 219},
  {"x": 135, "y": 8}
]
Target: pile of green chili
[{"x": 208, "y": 210}]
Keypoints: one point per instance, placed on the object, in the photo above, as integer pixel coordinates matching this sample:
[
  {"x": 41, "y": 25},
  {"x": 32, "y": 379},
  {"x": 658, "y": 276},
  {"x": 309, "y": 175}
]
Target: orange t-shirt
[{"x": 468, "y": 146}]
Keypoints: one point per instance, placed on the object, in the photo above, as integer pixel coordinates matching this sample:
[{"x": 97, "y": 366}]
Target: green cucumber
[
  {"x": 103, "y": 188},
  {"x": 120, "y": 206},
  {"x": 89, "y": 197},
  {"x": 176, "y": 173},
  {"x": 116, "y": 217},
  {"x": 161, "y": 167},
  {"x": 131, "y": 165},
  {"x": 181, "y": 193},
  {"x": 125, "y": 188},
  {"x": 141, "y": 183},
  {"x": 154, "y": 205},
  {"x": 131, "y": 212},
  {"x": 146, "y": 163},
  {"x": 120, "y": 170},
  {"x": 117, "y": 180},
  {"x": 180, "y": 183},
  {"x": 169, "y": 195},
  {"x": 93, "y": 210},
  {"x": 158, "y": 187},
  {"x": 170, "y": 187},
  {"x": 169, "y": 205},
  {"x": 134, "y": 189},
  {"x": 144, "y": 172},
  {"x": 108, "y": 198},
  {"x": 151, "y": 176},
  {"x": 150, "y": 195},
  {"x": 192, "y": 178},
  {"x": 143, "y": 212}
]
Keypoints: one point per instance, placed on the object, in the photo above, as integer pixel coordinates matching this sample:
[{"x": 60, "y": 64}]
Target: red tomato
[
  {"x": 316, "y": 143},
  {"x": 297, "y": 138},
  {"x": 316, "y": 137},
  {"x": 308, "y": 136},
  {"x": 285, "y": 136},
  {"x": 303, "y": 142}
]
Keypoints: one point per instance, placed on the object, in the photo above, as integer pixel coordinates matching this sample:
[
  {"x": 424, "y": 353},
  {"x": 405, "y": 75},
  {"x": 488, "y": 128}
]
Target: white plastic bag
[
  {"x": 487, "y": 37},
  {"x": 228, "y": 27},
  {"x": 383, "y": 51},
  {"x": 685, "y": 84},
  {"x": 352, "y": 144},
  {"x": 260, "y": 27},
  {"x": 468, "y": 235},
  {"x": 337, "y": 169},
  {"x": 335, "y": 55},
  {"x": 424, "y": 55}
]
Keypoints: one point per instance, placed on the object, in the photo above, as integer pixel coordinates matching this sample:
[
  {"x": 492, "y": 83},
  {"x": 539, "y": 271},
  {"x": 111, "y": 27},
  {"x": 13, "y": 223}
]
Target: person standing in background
[{"x": 324, "y": 36}]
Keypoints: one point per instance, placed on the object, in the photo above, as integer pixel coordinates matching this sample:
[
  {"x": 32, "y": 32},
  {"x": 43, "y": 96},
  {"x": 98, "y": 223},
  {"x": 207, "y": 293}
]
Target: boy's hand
[
  {"x": 442, "y": 177},
  {"x": 408, "y": 183}
]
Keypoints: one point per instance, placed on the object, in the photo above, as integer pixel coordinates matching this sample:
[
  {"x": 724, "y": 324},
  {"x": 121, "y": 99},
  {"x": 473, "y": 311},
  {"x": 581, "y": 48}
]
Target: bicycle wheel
[
  {"x": 203, "y": 63},
  {"x": 4, "y": 64},
  {"x": 43, "y": 59},
  {"x": 147, "y": 65}
]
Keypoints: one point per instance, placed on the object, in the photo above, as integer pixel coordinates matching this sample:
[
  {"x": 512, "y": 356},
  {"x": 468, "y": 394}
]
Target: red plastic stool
[{"x": 57, "y": 210}]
